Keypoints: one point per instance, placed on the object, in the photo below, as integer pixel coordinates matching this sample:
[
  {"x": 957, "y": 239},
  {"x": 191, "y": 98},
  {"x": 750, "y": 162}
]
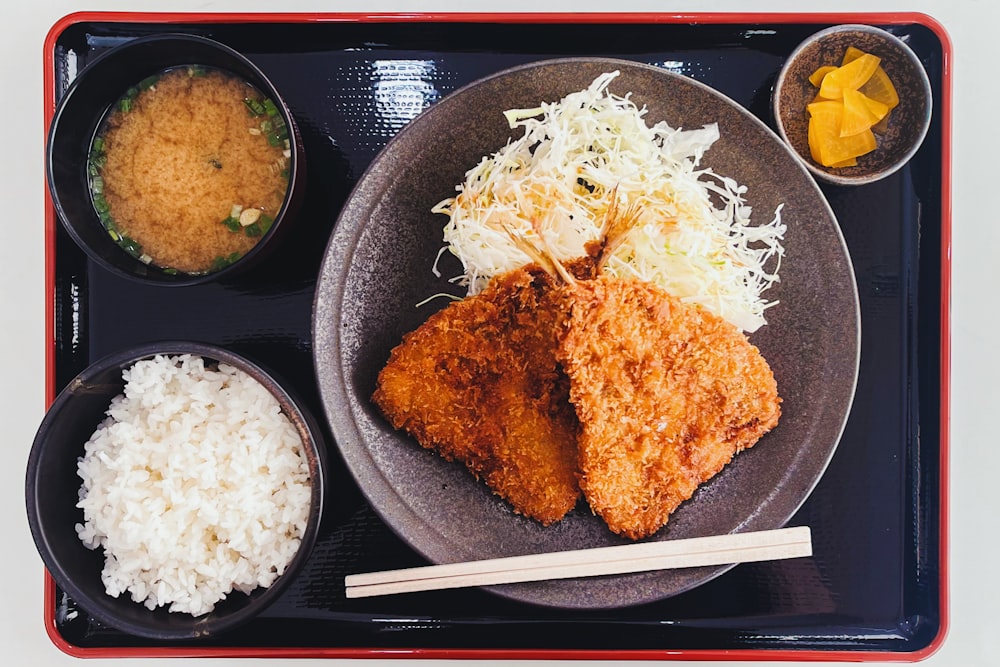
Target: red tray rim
[{"x": 811, "y": 655}]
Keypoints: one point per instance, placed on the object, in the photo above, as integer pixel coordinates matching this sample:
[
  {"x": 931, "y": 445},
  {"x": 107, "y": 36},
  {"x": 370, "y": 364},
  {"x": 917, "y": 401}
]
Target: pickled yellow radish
[
  {"x": 859, "y": 114},
  {"x": 826, "y": 144},
  {"x": 878, "y": 87},
  {"x": 853, "y": 102},
  {"x": 852, "y": 53},
  {"x": 816, "y": 78},
  {"x": 851, "y": 76}
]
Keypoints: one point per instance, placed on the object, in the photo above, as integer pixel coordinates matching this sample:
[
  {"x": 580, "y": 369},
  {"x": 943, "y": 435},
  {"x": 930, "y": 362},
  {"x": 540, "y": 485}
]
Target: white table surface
[{"x": 974, "y": 28}]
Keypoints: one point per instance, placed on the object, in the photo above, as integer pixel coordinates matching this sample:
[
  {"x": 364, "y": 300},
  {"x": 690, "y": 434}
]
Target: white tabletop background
[{"x": 974, "y": 27}]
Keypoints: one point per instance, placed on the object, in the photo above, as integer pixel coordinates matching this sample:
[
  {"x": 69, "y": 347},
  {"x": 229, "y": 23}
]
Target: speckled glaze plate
[{"x": 377, "y": 268}]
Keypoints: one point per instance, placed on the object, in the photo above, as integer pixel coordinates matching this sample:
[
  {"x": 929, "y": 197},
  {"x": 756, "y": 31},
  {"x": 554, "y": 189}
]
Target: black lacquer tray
[{"x": 876, "y": 587}]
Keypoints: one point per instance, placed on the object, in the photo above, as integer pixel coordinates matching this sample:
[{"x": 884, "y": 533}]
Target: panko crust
[
  {"x": 478, "y": 383},
  {"x": 666, "y": 394}
]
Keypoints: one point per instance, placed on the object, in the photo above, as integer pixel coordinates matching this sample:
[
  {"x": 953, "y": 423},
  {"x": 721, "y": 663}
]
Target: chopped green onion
[
  {"x": 232, "y": 224},
  {"x": 98, "y": 146},
  {"x": 170, "y": 271},
  {"x": 196, "y": 70},
  {"x": 278, "y": 137},
  {"x": 253, "y": 230},
  {"x": 126, "y": 103},
  {"x": 222, "y": 262},
  {"x": 265, "y": 222},
  {"x": 149, "y": 82},
  {"x": 100, "y": 203},
  {"x": 131, "y": 246},
  {"x": 97, "y": 185},
  {"x": 255, "y": 107},
  {"x": 271, "y": 107}
]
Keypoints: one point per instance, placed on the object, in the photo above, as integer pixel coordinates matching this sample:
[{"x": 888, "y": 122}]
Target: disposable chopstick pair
[{"x": 639, "y": 557}]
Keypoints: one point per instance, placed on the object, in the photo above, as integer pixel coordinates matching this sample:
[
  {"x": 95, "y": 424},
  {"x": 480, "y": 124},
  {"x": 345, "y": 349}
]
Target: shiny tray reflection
[{"x": 875, "y": 584}]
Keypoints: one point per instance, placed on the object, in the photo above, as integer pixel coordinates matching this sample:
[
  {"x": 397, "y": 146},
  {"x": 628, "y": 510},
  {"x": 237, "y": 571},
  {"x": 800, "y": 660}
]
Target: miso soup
[{"x": 189, "y": 169}]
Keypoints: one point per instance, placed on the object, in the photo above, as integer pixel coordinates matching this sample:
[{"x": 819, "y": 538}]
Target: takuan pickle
[{"x": 853, "y": 103}]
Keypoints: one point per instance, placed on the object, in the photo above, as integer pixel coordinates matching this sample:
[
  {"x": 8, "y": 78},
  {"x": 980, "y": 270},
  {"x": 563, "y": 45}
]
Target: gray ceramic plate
[{"x": 378, "y": 267}]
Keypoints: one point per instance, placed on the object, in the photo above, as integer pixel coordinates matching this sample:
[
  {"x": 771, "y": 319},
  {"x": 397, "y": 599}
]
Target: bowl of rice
[{"x": 175, "y": 489}]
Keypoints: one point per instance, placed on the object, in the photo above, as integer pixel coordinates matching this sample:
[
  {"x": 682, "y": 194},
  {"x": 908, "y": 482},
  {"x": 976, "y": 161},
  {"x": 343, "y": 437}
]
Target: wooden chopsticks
[{"x": 640, "y": 557}]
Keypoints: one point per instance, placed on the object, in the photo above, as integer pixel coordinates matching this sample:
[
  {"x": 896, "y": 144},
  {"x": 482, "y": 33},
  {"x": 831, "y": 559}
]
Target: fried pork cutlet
[
  {"x": 478, "y": 383},
  {"x": 666, "y": 393}
]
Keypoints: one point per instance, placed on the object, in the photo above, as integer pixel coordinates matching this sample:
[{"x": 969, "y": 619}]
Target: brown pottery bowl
[{"x": 908, "y": 122}]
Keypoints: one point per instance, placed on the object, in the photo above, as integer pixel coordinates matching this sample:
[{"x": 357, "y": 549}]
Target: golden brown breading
[
  {"x": 478, "y": 382},
  {"x": 666, "y": 393}
]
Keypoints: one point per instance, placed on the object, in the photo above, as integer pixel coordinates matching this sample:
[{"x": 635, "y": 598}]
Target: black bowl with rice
[
  {"x": 173, "y": 160},
  {"x": 174, "y": 490}
]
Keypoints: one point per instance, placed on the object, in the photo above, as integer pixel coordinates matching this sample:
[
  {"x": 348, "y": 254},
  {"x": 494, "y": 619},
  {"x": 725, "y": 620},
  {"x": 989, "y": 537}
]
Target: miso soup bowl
[
  {"x": 87, "y": 101},
  {"x": 52, "y": 487}
]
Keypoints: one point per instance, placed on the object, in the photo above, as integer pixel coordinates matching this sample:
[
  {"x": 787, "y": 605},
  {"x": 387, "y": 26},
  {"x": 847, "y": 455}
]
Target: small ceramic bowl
[
  {"x": 91, "y": 97},
  {"x": 53, "y": 484},
  {"x": 908, "y": 122}
]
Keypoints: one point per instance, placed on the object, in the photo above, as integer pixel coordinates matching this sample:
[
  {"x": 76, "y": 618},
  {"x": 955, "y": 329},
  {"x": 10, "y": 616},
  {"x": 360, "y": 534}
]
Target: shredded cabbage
[{"x": 693, "y": 237}]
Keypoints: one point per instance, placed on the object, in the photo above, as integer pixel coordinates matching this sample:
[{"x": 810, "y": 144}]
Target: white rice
[{"x": 196, "y": 484}]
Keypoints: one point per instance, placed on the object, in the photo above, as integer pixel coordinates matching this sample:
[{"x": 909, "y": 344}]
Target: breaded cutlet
[
  {"x": 478, "y": 383},
  {"x": 665, "y": 392}
]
